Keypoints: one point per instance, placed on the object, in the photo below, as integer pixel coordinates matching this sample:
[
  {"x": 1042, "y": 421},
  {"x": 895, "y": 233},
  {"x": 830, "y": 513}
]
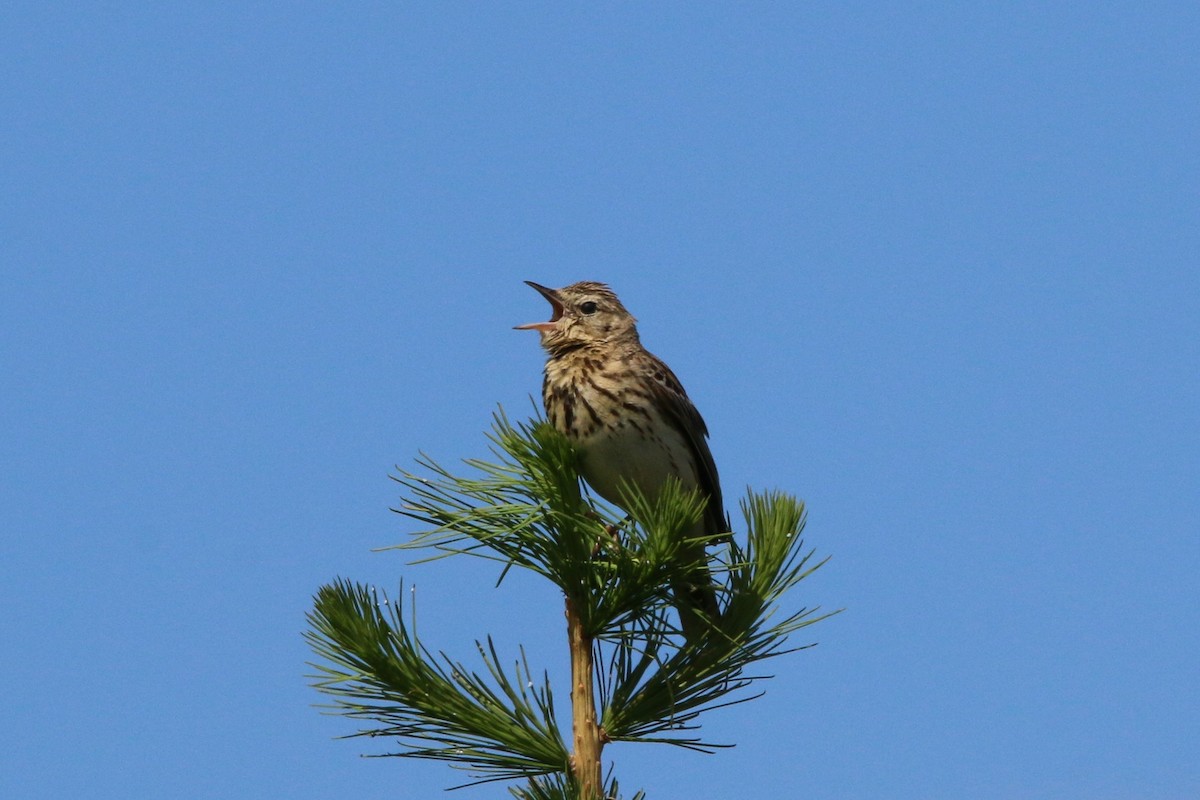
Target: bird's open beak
[{"x": 556, "y": 311}]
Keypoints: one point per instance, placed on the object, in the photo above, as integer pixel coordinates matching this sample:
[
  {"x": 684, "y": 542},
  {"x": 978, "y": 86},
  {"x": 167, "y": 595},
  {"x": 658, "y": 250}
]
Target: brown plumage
[{"x": 628, "y": 416}]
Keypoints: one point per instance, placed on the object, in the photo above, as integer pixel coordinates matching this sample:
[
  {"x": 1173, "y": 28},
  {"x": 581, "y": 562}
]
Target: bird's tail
[{"x": 696, "y": 600}]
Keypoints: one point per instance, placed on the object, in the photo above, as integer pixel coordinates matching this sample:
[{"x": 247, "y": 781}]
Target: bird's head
[{"x": 581, "y": 314}]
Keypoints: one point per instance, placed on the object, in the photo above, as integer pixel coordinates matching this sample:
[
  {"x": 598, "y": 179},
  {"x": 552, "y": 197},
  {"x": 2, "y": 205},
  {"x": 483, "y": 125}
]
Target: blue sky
[{"x": 931, "y": 267}]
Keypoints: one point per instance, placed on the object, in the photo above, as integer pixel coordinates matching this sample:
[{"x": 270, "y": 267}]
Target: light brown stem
[{"x": 586, "y": 759}]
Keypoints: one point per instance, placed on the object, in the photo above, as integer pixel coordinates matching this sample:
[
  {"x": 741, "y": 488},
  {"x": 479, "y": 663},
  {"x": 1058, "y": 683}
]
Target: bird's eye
[{"x": 588, "y": 308}]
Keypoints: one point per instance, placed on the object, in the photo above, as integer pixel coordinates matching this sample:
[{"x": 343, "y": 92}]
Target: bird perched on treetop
[{"x": 629, "y": 418}]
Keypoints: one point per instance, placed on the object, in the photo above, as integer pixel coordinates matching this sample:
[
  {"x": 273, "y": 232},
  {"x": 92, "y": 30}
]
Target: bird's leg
[{"x": 613, "y": 531}]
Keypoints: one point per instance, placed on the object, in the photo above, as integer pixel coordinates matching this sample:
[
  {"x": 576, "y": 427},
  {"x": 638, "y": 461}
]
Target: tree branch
[{"x": 585, "y": 761}]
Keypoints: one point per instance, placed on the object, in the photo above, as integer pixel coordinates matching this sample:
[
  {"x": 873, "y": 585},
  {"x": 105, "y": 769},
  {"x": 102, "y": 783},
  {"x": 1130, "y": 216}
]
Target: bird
[{"x": 629, "y": 419}]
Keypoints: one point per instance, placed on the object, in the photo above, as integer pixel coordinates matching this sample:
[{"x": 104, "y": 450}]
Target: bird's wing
[{"x": 687, "y": 420}]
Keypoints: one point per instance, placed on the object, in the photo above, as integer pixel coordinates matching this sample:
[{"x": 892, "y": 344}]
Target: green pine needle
[{"x": 525, "y": 509}]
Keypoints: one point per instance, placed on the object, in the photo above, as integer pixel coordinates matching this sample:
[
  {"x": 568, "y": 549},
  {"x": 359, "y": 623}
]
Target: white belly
[{"x": 628, "y": 454}]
